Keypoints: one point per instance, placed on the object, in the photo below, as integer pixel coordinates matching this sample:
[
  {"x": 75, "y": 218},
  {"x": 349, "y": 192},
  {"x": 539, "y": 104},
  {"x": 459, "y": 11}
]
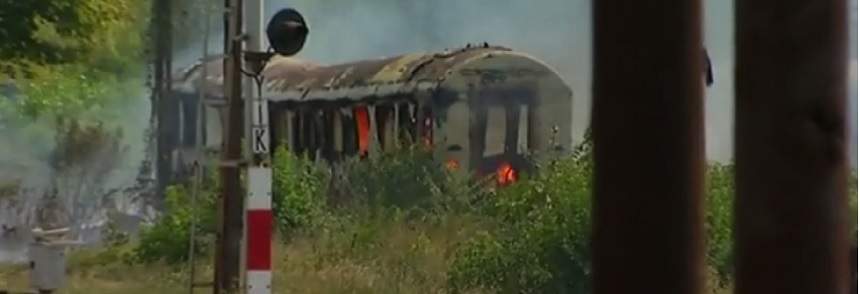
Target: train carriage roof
[{"x": 292, "y": 80}]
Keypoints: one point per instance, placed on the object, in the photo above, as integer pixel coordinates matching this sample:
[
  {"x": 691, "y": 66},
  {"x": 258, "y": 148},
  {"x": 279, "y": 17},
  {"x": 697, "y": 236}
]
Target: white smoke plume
[{"x": 556, "y": 31}]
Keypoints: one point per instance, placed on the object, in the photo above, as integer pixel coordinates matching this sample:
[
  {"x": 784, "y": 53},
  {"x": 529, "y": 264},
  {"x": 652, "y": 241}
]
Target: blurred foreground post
[
  {"x": 649, "y": 145},
  {"x": 791, "y": 203}
]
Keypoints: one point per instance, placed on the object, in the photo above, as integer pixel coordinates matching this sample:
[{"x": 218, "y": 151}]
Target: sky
[{"x": 556, "y": 31}]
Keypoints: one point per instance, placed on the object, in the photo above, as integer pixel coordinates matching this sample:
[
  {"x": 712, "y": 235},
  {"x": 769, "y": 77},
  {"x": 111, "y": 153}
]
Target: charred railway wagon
[{"x": 479, "y": 108}]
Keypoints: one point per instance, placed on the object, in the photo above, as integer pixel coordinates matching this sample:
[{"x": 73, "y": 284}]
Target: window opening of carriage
[
  {"x": 427, "y": 127},
  {"x": 384, "y": 125},
  {"x": 300, "y": 131},
  {"x": 362, "y": 121},
  {"x": 408, "y": 124},
  {"x": 522, "y": 139},
  {"x": 506, "y": 129},
  {"x": 188, "y": 115},
  {"x": 316, "y": 134},
  {"x": 329, "y": 150},
  {"x": 503, "y": 128},
  {"x": 494, "y": 136},
  {"x": 350, "y": 133}
]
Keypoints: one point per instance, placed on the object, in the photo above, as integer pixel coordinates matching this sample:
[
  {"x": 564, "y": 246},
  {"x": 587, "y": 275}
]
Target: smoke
[
  {"x": 95, "y": 183},
  {"x": 558, "y": 32},
  {"x": 555, "y": 31}
]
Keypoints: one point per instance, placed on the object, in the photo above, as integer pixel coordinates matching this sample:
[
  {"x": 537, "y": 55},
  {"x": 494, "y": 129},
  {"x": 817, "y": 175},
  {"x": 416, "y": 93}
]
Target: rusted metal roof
[{"x": 290, "y": 80}]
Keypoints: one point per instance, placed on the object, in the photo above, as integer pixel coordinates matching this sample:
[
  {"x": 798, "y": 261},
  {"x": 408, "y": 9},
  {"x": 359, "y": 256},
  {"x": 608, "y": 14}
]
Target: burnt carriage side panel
[
  {"x": 350, "y": 133},
  {"x": 367, "y": 106}
]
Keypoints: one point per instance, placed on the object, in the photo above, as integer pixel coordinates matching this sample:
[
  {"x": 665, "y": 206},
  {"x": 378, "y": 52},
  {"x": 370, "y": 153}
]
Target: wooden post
[
  {"x": 649, "y": 147},
  {"x": 790, "y": 136},
  {"x": 229, "y": 245}
]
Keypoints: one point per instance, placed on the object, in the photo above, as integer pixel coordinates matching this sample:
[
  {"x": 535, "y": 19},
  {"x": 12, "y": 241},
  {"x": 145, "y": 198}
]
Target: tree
[{"x": 66, "y": 31}]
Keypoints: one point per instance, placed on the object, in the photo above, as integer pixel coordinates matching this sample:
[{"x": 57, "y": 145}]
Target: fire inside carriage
[{"x": 479, "y": 108}]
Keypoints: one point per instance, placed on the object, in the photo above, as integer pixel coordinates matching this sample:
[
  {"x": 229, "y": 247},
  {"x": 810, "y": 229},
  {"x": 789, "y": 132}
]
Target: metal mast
[{"x": 258, "y": 239}]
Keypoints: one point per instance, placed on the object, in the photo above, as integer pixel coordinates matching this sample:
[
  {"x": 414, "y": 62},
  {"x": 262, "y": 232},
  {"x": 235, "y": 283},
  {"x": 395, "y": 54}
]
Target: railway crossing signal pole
[
  {"x": 258, "y": 216},
  {"x": 287, "y": 32}
]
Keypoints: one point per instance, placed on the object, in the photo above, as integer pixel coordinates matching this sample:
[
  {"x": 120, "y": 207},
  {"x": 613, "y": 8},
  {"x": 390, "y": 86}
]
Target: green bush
[
  {"x": 540, "y": 241},
  {"x": 403, "y": 178},
  {"x": 298, "y": 192},
  {"x": 533, "y": 236},
  {"x": 719, "y": 199},
  {"x": 112, "y": 236},
  {"x": 168, "y": 238}
]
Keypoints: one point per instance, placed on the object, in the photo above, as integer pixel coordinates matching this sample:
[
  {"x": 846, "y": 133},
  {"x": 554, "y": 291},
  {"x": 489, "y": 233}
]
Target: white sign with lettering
[{"x": 260, "y": 141}]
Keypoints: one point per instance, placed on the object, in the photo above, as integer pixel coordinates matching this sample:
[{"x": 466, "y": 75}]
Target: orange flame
[
  {"x": 506, "y": 174},
  {"x": 452, "y": 165},
  {"x": 363, "y": 121}
]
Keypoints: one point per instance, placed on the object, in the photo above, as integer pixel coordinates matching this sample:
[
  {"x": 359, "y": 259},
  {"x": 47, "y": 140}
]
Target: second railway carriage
[{"x": 480, "y": 108}]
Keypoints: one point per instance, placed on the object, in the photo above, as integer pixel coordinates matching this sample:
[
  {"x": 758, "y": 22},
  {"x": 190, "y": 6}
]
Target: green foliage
[
  {"x": 168, "y": 239},
  {"x": 718, "y": 218},
  {"x": 70, "y": 91},
  {"x": 540, "y": 241},
  {"x": 77, "y": 61},
  {"x": 403, "y": 178},
  {"x": 112, "y": 236},
  {"x": 298, "y": 191},
  {"x": 531, "y": 237},
  {"x": 306, "y": 195},
  {"x": 65, "y": 31},
  {"x": 71, "y": 58}
]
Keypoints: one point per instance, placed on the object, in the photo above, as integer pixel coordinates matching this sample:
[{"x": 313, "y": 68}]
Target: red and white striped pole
[
  {"x": 258, "y": 275},
  {"x": 259, "y": 222}
]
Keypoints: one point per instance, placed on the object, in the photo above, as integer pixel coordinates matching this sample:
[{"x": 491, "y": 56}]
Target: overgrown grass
[
  {"x": 103, "y": 271},
  {"x": 384, "y": 254},
  {"x": 402, "y": 224}
]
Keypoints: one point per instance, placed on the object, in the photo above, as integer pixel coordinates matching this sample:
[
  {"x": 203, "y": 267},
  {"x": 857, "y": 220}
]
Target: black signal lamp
[{"x": 287, "y": 32}]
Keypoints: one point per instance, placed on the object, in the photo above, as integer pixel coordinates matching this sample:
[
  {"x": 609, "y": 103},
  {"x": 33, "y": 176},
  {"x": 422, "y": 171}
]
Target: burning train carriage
[{"x": 479, "y": 108}]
